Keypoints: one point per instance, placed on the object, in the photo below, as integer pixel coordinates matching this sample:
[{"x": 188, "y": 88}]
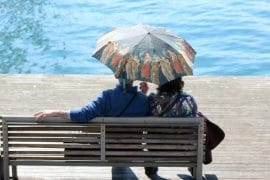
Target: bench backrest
[{"x": 127, "y": 140}]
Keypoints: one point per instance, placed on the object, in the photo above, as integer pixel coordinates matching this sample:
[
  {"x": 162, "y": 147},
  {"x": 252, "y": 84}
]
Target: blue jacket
[{"x": 111, "y": 103}]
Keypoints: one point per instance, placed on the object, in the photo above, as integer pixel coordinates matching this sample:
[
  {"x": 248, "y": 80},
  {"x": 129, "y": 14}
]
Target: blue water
[{"x": 58, "y": 36}]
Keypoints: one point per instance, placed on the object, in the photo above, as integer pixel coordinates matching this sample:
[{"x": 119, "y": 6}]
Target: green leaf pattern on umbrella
[{"x": 145, "y": 53}]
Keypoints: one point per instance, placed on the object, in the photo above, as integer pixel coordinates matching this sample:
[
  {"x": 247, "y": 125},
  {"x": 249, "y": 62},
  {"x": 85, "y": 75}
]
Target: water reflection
[
  {"x": 53, "y": 36},
  {"x": 21, "y": 30}
]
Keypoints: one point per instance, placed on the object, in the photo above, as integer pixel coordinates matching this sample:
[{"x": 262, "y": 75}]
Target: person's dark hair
[
  {"x": 173, "y": 86},
  {"x": 125, "y": 83}
]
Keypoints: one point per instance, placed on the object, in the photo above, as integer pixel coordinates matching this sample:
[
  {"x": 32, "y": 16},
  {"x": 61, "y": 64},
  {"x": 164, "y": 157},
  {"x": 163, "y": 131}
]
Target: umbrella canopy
[{"x": 146, "y": 53}]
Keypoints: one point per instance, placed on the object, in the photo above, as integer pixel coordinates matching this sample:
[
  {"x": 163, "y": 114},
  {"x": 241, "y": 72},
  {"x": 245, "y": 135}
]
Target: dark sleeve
[{"x": 91, "y": 110}]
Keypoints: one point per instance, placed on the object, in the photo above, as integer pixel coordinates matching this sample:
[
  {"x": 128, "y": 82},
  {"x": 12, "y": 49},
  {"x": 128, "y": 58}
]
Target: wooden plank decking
[{"x": 240, "y": 105}]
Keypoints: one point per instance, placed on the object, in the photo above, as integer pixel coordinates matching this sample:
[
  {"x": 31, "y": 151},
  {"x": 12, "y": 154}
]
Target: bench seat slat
[
  {"x": 151, "y": 141},
  {"x": 54, "y": 139},
  {"x": 46, "y": 134},
  {"x": 52, "y": 158},
  {"x": 108, "y": 146},
  {"x": 108, "y": 141},
  {"x": 101, "y": 163},
  {"x": 148, "y": 146},
  {"x": 150, "y": 136},
  {"x": 66, "y": 145},
  {"x": 174, "y": 158},
  {"x": 191, "y": 159},
  {"x": 113, "y": 153},
  {"x": 32, "y": 153},
  {"x": 169, "y": 130},
  {"x": 53, "y": 128},
  {"x": 151, "y": 153},
  {"x": 134, "y": 153}
]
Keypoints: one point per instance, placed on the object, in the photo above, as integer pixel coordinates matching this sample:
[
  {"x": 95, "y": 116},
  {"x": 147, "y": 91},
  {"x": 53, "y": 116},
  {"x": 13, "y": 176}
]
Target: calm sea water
[{"x": 231, "y": 37}]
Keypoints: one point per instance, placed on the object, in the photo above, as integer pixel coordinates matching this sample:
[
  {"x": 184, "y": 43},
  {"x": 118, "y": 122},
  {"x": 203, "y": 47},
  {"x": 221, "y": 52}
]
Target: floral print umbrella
[{"x": 146, "y": 53}]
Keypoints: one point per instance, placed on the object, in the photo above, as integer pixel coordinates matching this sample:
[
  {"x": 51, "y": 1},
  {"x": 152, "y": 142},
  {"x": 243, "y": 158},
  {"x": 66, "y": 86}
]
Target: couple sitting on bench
[{"x": 126, "y": 101}]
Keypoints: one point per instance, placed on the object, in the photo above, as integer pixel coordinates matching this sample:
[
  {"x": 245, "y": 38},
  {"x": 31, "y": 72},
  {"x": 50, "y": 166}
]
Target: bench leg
[
  {"x": 195, "y": 172},
  {"x": 14, "y": 172},
  {"x": 1, "y": 169},
  {"x": 198, "y": 173},
  {"x": 5, "y": 170}
]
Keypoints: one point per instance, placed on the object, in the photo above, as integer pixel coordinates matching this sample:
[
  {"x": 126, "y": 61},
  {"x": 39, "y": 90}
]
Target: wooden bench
[{"x": 126, "y": 142}]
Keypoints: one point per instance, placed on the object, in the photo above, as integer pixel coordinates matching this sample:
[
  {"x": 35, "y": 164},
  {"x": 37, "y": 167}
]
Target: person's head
[
  {"x": 125, "y": 83},
  {"x": 173, "y": 86}
]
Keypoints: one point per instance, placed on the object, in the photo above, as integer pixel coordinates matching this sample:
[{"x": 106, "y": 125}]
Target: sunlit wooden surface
[{"x": 240, "y": 105}]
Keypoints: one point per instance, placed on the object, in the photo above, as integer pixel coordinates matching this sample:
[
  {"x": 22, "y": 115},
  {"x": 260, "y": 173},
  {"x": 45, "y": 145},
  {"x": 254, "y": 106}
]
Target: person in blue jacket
[{"x": 123, "y": 100}]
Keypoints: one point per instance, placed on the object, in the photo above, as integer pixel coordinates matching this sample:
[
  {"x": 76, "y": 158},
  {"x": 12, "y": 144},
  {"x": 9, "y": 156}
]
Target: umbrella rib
[
  {"x": 169, "y": 35},
  {"x": 164, "y": 41},
  {"x": 152, "y": 42},
  {"x": 130, "y": 37},
  {"x": 138, "y": 42}
]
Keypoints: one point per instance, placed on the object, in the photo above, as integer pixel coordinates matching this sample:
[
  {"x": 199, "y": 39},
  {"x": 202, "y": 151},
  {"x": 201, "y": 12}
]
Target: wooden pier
[{"x": 240, "y": 105}]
